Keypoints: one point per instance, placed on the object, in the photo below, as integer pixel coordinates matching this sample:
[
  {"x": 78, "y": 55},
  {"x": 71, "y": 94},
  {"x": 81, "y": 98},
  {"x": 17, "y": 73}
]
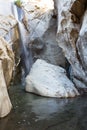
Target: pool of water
[{"x": 32, "y": 112}]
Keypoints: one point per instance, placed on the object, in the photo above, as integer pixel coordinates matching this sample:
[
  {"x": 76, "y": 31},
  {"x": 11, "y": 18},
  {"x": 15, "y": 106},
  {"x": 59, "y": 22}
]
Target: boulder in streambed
[{"x": 50, "y": 81}]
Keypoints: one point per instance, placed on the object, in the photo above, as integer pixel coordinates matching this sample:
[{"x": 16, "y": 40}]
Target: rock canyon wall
[
  {"x": 71, "y": 37},
  {"x": 51, "y": 33}
]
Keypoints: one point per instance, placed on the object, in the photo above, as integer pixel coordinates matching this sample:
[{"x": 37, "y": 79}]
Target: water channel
[{"x": 32, "y": 112}]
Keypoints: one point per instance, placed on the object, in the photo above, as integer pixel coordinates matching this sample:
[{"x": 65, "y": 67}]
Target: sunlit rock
[
  {"x": 7, "y": 58},
  {"x": 37, "y": 17},
  {"x": 5, "y": 7},
  {"x": 5, "y": 104},
  {"x": 81, "y": 45},
  {"x": 6, "y": 68},
  {"x": 50, "y": 81},
  {"x": 6, "y": 25},
  {"x": 9, "y": 31}
]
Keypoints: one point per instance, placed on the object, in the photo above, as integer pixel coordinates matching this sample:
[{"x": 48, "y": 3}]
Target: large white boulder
[{"x": 50, "y": 81}]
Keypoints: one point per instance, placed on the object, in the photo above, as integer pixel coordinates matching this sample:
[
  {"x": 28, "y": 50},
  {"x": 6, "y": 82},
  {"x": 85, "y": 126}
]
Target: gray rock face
[
  {"x": 42, "y": 26},
  {"x": 81, "y": 45},
  {"x": 50, "y": 81},
  {"x": 69, "y": 25},
  {"x": 6, "y": 68}
]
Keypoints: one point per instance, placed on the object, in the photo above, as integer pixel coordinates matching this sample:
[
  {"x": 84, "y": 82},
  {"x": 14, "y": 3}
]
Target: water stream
[
  {"x": 32, "y": 112},
  {"x": 25, "y": 51}
]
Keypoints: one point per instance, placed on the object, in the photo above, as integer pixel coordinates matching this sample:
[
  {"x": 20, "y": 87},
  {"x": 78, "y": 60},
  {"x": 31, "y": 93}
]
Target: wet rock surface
[{"x": 81, "y": 46}]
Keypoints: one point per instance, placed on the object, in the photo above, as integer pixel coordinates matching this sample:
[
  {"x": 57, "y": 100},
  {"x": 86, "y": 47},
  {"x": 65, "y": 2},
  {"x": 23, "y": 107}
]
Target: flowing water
[
  {"x": 25, "y": 51},
  {"x": 32, "y": 112},
  {"x": 26, "y": 60}
]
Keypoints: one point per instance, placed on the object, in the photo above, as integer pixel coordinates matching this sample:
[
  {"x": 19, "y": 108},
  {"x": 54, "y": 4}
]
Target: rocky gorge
[{"x": 43, "y": 44}]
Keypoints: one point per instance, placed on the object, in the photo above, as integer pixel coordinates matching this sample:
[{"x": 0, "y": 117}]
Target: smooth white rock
[{"x": 50, "y": 81}]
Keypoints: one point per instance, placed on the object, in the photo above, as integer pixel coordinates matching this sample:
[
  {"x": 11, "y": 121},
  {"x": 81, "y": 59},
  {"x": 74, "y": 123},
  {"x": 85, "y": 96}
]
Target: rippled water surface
[{"x": 32, "y": 112}]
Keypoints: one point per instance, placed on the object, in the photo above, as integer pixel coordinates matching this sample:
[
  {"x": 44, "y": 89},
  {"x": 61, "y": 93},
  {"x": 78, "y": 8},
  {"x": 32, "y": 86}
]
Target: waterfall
[{"x": 25, "y": 51}]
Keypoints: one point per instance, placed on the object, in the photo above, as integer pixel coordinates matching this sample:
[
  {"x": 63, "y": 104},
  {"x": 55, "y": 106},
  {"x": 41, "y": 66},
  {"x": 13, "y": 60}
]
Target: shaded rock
[
  {"x": 47, "y": 47},
  {"x": 50, "y": 81},
  {"x": 81, "y": 45},
  {"x": 42, "y": 26},
  {"x": 69, "y": 24}
]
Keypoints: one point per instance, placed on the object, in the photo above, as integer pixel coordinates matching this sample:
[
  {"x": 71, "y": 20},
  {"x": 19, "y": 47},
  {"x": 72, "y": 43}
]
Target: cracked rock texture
[
  {"x": 71, "y": 37},
  {"x": 9, "y": 31},
  {"x": 6, "y": 69},
  {"x": 8, "y": 44},
  {"x": 42, "y": 27},
  {"x": 5, "y": 104}
]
